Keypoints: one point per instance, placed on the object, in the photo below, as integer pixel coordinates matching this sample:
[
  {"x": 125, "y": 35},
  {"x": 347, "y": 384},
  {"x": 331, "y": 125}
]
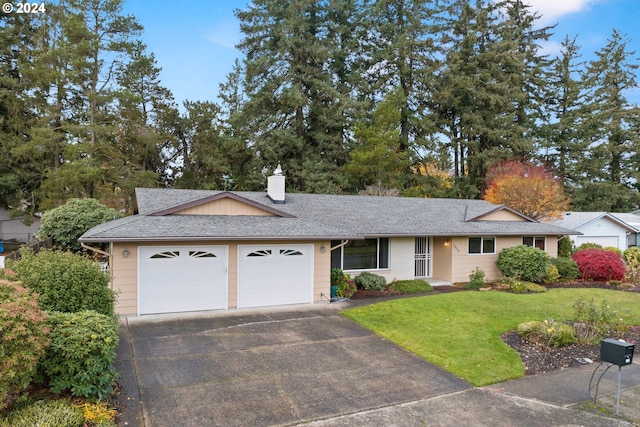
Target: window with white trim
[
  {"x": 368, "y": 254},
  {"x": 482, "y": 245},
  {"x": 534, "y": 241}
]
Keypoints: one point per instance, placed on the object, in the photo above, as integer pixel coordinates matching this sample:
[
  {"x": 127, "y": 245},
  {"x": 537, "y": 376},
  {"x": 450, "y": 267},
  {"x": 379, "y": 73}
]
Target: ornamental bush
[
  {"x": 370, "y": 281},
  {"x": 412, "y": 286},
  {"x": 476, "y": 279},
  {"x": 344, "y": 282},
  {"x": 23, "y": 338},
  {"x": 550, "y": 333},
  {"x": 65, "y": 281},
  {"x": 631, "y": 257},
  {"x": 567, "y": 268},
  {"x": 524, "y": 262},
  {"x": 593, "y": 322},
  {"x": 49, "y": 413},
  {"x": 599, "y": 264},
  {"x": 82, "y": 352}
]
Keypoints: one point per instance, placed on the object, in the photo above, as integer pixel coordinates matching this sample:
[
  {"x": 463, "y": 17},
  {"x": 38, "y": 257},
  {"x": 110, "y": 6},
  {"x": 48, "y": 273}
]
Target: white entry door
[
  {"x": 274, "y": 275},
  {"x": 181, "y": 278}
]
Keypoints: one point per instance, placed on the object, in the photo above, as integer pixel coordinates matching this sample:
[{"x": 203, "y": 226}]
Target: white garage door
[
  {"x": 181, "y": 278},
  {"x": 603, "y": 241},
  {"x": 275, "y": 275}
]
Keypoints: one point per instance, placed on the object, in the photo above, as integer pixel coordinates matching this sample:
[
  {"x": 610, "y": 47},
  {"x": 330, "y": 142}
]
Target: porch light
[
  {"x": 447, "y": 242},
  {"x": 125, "y": 253}
]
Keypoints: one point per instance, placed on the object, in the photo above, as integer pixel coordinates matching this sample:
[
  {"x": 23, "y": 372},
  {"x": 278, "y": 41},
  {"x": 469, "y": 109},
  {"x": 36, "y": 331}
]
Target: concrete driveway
[{"x": 265, "y": 367}]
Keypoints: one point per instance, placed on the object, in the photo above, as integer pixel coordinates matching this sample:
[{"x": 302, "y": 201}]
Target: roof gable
[
  {"x": 502, "y": 213},
  {"x": 224, "y": 203}
]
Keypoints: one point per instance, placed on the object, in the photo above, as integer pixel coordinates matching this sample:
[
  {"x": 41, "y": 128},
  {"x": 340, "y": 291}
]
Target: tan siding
[
  {"x": 125, "y": 270},
  {"x": 465, "y": 263},
  {"x": 502, "y": 215},
  {"x": 442, "y": 254},
  {"x": 224, "y": 207}
]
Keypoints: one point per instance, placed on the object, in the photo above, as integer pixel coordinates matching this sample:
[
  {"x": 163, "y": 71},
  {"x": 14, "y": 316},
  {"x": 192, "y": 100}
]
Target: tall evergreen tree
[
  {"x": 613, "y": 139},
  {"x": 294, "y": 109},
  {"x": 561, "y": 139}
]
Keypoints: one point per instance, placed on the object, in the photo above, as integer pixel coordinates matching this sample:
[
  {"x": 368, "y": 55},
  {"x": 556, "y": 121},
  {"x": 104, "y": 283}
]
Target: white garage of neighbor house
[
  {"x": 191, "y": 250},
  {"x": 602, "y": 228}
]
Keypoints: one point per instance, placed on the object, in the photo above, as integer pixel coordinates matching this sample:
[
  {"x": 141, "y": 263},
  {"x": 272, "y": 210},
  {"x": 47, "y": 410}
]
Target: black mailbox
[{"x": 617, "y": 352}]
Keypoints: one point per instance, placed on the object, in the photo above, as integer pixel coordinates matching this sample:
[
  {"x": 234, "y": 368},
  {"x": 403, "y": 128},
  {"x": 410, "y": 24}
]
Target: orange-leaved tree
[{"x": 528, "y": 187}]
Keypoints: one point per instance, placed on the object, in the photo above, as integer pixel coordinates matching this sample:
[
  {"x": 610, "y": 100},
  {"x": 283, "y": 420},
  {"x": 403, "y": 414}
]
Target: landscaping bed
[{"x": 539, "y": 359}]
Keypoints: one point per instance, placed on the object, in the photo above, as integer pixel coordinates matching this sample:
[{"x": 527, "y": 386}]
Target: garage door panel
[
  {"x": 603, "y": 241},
  {"x": 174, "y": 279},
  {"x": 274, "y": 275}
]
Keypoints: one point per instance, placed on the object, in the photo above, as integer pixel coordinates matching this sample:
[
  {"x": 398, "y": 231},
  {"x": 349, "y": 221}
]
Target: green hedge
[
  {"x": 65, "y": 281},
  {"x": 413, "y": 286},
  {"x": 82, "y": 352},
  {"x": 567, "y": 268}
]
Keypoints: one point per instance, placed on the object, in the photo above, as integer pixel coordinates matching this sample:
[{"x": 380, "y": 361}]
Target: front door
[{"x": 423, "y": 257}]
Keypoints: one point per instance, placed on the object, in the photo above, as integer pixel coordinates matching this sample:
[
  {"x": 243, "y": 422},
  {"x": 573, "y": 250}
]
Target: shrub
[
  {"x": 534, "y": 288},
  {"x": 23, "y": 338},
  {"x": 370, "y": 281},
  {"x": 525, "y": 262},
  {"x": 346, "y": 285},
  {"x": 49, "y": 413},
  {"x": 613, "y": 249},
  {"x": 550, "y": 333},
  {"x": 567, "y": 268},
  {"x": 98, "y": 414},
  {"x": 65, "y": 224},
  {"x": 516, "y": 286},
  {"x": 476, "y": 279},
  {"x": 414, "y": 286},
  {"x": 553, "y": 275},
  {"x": 81, "y": 355},
  {"x": 65, "y": 281},
  {"x": 588, "y": 245},
  {"x": 631, "y": 257},
  {"x": 592, "y": 323},
  {"x": 565, "y": 247},
  {"x": 598, "y": 264}
]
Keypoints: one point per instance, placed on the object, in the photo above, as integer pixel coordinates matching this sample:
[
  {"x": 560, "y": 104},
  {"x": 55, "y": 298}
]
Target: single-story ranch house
[{"x": 189, "y": 250}]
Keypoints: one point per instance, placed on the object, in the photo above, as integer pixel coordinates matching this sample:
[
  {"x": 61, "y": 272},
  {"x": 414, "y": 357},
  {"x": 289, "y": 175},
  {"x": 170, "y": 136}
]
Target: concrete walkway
[{"x": 308, "y": 365}]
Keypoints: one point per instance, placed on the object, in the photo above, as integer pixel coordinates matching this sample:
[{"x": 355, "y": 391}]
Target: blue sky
[{"x": 193, "y": 40}]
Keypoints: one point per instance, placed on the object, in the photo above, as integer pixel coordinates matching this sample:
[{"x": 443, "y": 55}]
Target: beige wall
[
  {"x": 124, "y": 271},
  {"x": 502, "y": 215},
  {"x": 465, "y": 263},
  {"x": 224, "y": 206}
]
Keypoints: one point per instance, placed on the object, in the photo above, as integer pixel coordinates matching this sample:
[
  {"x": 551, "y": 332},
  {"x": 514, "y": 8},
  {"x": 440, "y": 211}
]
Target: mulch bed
[{"x": 538, "y": 358}]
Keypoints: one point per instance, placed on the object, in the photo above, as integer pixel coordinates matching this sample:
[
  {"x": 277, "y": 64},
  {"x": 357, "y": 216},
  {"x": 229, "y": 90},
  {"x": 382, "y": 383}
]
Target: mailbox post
[{"x": 619, "y": 353}]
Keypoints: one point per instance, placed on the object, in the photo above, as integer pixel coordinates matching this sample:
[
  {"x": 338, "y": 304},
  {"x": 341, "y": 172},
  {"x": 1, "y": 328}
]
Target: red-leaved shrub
[{"x": 599, "y": 264}]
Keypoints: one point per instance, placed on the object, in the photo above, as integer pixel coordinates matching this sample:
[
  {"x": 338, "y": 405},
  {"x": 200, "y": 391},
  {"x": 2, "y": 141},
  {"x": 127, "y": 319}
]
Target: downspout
[{"x": 340, "y": 245}]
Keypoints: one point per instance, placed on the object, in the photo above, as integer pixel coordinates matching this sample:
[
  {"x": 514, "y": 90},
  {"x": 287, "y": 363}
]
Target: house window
[
  {"x": 368, "y": 254},
  {"x": 482, "y": 245},
  {"x": 535, "y": 241}
]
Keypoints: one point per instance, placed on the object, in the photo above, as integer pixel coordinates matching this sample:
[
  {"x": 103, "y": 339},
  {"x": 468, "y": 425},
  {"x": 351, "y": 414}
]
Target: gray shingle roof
[
  {"x": 575, "y": 220},
  {"x": 315, "y": 216}
]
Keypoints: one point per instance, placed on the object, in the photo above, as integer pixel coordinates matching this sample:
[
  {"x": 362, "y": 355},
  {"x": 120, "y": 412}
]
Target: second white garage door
[{"x": 274, "y": 275}]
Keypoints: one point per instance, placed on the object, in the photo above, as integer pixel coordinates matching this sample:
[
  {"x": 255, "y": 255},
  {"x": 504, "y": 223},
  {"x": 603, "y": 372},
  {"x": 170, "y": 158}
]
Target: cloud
[
  {"x": 224, "y": 34},
  {"x": 551, "y": 10}
]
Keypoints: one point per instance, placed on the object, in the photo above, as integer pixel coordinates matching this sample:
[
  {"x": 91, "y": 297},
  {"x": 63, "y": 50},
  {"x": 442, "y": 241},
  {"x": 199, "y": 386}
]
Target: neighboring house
[
  {"x": 188, "y": 250},
  {"x": 619, "y": 230},
  {"x": 13, "y": 229}
]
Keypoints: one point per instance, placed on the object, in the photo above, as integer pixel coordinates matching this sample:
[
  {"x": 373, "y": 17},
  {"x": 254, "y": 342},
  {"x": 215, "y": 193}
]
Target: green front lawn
[{"x": 460, "y": 331}]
